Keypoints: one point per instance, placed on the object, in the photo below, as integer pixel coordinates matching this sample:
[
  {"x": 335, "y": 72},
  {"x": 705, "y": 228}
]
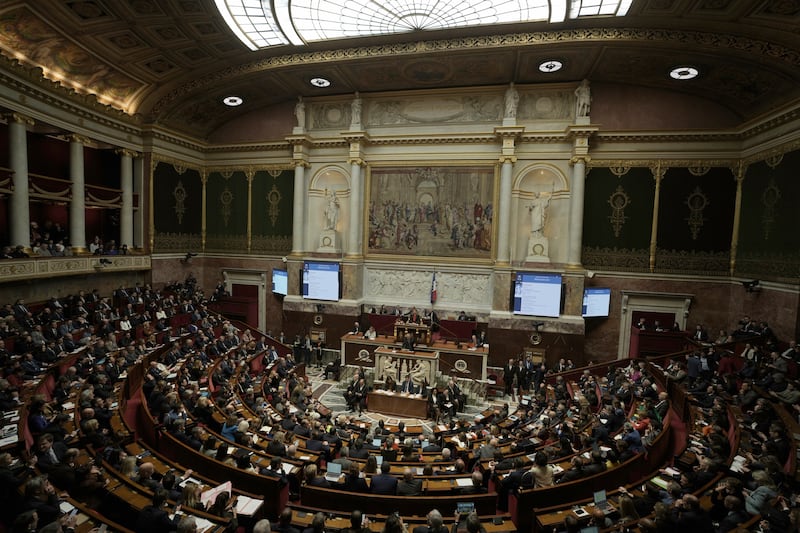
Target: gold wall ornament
[
  {"x": 273, "y": 199},
  {"x": 275, "y": 172},
  {"x": 180, "y": 169},
  {"x": 618, "y": 201},
  {"x": 699, "y": 170},
  {"x": 180, "y": 195},
  {"x": 226, "y": 199},
  {"x": 769, "y": 199},
  {"x": 226, "y": 174},
  {"x": 697, "y": 201},
  {"x": 619, "y": 171},
  {"x": 774, "y": 160}
]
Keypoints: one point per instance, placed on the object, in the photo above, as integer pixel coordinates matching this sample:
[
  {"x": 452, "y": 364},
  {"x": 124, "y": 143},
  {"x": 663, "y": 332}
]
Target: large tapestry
[{"x": 431, "y": 211}]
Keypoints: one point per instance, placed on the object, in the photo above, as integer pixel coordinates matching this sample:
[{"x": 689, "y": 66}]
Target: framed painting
[{"x": 438, "y": 211}]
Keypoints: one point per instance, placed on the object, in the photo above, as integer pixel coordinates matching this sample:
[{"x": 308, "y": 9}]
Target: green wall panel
[
  {"x": 177, "y": 206},
  {"x": 226, "y": 216},
  {"x": 273, "y": 200}
]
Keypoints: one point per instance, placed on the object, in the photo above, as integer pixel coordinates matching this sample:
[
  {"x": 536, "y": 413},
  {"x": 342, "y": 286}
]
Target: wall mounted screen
[
  {"x": 537, "y": 294},
  {"x": 280, "y": 281},
  {"x": 321, "y": 281},
  {"x": 596, "y": 302}
]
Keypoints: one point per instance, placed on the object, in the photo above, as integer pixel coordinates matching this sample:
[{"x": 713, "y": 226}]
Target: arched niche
[
  {"x": 333, "y": 179},
  {"x": 540, "y": 178}
]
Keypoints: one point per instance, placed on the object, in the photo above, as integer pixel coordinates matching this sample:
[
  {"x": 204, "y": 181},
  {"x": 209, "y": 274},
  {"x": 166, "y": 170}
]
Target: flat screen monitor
[
  {"x": 537, "y": 294},
  {"x": 280, "y": 281},
  {"x": 321, "y": 281},
  {"x": 596, "y": 302}
]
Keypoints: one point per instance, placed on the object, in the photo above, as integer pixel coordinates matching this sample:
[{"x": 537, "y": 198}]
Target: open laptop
[
  {"x": 601, "y": 502},
  {"x": 379, "y": 460},
  {"x": 376, "y": 443},
  {"x": 590, "y": 529},
  {"x": 334, "y": 472}
]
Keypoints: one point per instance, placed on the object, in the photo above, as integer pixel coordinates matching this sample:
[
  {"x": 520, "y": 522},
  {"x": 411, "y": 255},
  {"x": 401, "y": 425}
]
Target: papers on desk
[
  {"x": 9, "y": 430},
  {"x": 209, "y": 496},
  {"x": 188, "y": 479},
  {"x": 464, "y": 482},
  {"x": 672, "y": 472},
  {"x": 66, "y": 507},
  {"x": 202, "y": 524},
  {"x": 442, "y": 427},
  {"x": 737, "y": 464},
  {"x": 660, "y": 482},
  {"x": 265, "y": 429},
  {"x": 68, "y": 405},
  {"x": 287, "y": 468},
  {"x": 557, "y": 469},
  {"x": 7, "y": 441},
  {"x": 304, "y": 458},
  {"x": 246, "y": 505}
]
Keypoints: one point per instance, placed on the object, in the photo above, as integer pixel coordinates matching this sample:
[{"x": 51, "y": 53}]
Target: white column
[
  {"x": 738, "y": 175},
  {"x": 356, "y": 218},
  {"x": 20, "y": 215},
  {"x": 126, "y": 212},
  {"x": 576, "y": 211},
  {"x": 298, "y": 209},
  {"x": 503, "y": 211},
  {"x": 138, "y": 215},
  {"x": 77, "y": 206},
  {"x": 658, "y": 175}
]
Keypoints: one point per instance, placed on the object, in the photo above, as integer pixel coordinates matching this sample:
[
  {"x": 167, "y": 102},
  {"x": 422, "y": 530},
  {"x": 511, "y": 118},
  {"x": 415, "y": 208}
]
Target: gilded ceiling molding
[
  {"x": 620, "y": 165},
  {"x": 703, "y": 40},
  {"x": 770, "y": 154},
  {"x": 177, "y": 163}
]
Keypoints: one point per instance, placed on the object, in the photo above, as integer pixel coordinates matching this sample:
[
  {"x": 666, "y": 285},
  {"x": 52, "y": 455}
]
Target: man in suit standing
[
  {"x": 384, "y": 483},
  {"x": 509, "y": 371}
]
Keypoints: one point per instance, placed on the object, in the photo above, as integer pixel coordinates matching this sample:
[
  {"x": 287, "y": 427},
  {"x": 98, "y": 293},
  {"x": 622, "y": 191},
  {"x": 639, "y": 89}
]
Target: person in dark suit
[
  {"x": 357, "y": 450},
  {"x": 408, "y": 342},
  {"x": 408, "y": 386},
  {"x": 432, "y": 446},
  {"x": 154, "y": 518},
  {"x": 284, "y": 524},
  {"x": 509, "y": 372},
  {"x": 409, "y": 486},
  {"x": 358, "y": 523},
  {"x": 314, "y": 480},
  {"x": 353, "y": 482},
  {"x": 435, "y": 524},
  {"x": 50, "y": 453},
  {"x": 384, "y": 483}
]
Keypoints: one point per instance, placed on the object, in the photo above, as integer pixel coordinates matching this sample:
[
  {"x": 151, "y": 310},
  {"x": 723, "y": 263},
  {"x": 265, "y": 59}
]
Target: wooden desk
[
  {"x": 420, "y": 332},
  {"x": 397, "y": 405}
]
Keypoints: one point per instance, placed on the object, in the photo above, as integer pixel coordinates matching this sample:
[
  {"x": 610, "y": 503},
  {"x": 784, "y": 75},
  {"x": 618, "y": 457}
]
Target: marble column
[
  {"x": 503, "y": 211},
  {"x": 738, "y": 174},
  {"x": 77, "y": 206},
  {"x": 138, "y": 214},
  {"x": 298, "y": 208},
  {"x": 356, "y": 218},
  {"x": 576, "y": 211},
  {"x": 658, "y": 174},
  {"x": 126, "y": 211},
  {"x": 19, "y": 208}
]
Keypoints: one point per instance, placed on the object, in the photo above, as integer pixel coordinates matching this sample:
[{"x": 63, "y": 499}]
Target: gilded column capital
[
  {"x": 19, "y": 118},
  {"x": 80, "y": 139},
  {"x": 508, "y": 159},
  {"x": 356, "y": 161},
  {"x": 739, "y": 170},
  {"x": 126, "y": 152},
  {"x": 250, "y": 173},
  {"x": 658, "y": 171},
  {"x": 204, "y": 177},
  {"x": 300, "y": 163},
  {"x": 585, "y": 159}
]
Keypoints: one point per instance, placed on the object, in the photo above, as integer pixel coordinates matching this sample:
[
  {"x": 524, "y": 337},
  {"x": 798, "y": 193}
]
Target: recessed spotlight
[
  {"x": 233, "y": 101},
  {"x": 320, "y": 82},
  {"x": 551, "y": 65},
  {"x": 683, "y": 73}
]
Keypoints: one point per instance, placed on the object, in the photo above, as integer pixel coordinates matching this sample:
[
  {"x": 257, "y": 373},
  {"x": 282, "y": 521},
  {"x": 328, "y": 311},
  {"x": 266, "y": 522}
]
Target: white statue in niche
[
  {"x": 300, "y": 112},
  {"x": 355, "y": 111},
  {"x": 538, "y": 210},
  {"x": 331, "y": 210},
  {"x": 583, "y": 99},
  {"x": 511, "y": 100}
]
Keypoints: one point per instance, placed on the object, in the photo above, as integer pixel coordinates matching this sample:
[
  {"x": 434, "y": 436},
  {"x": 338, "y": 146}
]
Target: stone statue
[
  {"x": 538, "y": 209},
  {"x": 389, "y": 368},
  {"x": 331, "y": 210},
  {"x": 511, "y": 100},
  {"x": 583, "y": 99},
  {"x": 355, "y": 111},
  {"x": 300, "y": 112},
  {"x": 420, "y": 372}
]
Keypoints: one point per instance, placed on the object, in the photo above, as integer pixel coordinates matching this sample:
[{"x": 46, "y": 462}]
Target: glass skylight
[{"x": 261, "y": 23}]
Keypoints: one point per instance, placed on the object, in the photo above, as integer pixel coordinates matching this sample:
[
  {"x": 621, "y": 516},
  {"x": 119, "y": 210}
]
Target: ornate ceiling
[{"x": 171, "y": 62}]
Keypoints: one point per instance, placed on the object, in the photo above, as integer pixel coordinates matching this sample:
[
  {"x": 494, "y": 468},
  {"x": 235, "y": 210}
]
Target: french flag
[{"x": 433, "y": 289}]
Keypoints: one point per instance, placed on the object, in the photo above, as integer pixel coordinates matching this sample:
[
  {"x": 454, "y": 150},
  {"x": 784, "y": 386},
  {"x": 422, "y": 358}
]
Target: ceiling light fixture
[
  {"x": 551, "y": 65},
  {"x": 320, "y": 82},
  {"x": 683, "y": 73},
  {"x": 232, "y": 101}
]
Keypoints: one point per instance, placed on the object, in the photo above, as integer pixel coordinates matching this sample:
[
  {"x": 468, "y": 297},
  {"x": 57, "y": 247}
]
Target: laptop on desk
[
  {"x": 334, "y": 472},
  {"x": 601, "y": 502}
]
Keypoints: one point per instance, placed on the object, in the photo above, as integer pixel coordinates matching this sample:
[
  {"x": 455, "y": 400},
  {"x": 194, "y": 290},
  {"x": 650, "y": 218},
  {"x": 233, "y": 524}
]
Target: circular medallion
[
  {"x": 536, "y": 338},
  {"x": 317, "y": 320},
  {"x": 461, "y": 365}
]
